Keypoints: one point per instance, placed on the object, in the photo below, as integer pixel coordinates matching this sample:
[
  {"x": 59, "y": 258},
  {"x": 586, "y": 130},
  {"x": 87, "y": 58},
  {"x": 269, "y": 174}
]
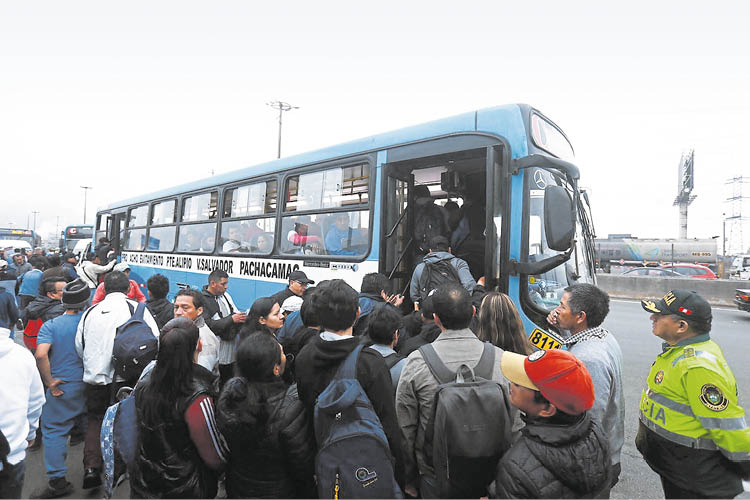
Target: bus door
[
  {"x": 396, "y": 261},
  {"x": 115, "y": 231},
  {"x": 497, "y": 227},
  {"x": 455, "y": 172}
]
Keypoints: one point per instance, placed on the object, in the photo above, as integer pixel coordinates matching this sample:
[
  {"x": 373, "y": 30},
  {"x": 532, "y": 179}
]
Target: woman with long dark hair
[
  {"x": 265, "y": 424},
  {"x": 264, "y": 316},
  {"x": 500, "y": 324},
  {"x": 179, "y": 449}
]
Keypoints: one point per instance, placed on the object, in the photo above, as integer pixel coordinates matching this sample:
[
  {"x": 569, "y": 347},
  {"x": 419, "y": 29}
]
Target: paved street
[{"x": 631, "y": 326}]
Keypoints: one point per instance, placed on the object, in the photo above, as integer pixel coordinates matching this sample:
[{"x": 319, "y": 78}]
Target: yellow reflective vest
[{"x": 691, "y": 400}]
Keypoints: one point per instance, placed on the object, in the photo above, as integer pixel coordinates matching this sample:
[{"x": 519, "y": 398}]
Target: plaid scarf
[{"x": 586, "y": 334}]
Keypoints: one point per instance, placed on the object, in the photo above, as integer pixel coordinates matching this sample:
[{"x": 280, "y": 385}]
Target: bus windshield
[{"x": 545, "y": 290}]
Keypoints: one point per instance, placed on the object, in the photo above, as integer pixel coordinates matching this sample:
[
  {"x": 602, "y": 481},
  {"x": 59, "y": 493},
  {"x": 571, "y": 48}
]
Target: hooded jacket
[
  {"x": 316, "y": 365},
  {"x": 43, "y": 308},
  {"x": 272, "y": 449},
  {"x": 555, "y": 461},
  {"x": 462, "y": 268},
  {"x": 223, "y": 327},
  {"x": 162, "y": 310}
]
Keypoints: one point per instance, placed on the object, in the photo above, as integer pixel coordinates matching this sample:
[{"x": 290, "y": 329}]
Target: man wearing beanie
[
  {"x": 62, "y": 373},
  {"x": 692, "y": 430},
  {"x": 562, "y": 452}
]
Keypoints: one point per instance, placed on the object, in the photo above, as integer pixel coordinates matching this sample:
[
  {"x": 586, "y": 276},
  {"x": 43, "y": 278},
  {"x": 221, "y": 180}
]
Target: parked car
[
  {"x": 692, "y": 271},
  {"x": 652, "y": 271},
  {"x": 742, "y": 299}
]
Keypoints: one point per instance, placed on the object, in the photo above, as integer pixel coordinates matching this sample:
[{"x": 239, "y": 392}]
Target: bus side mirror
[{"x": 559, "y": 218}]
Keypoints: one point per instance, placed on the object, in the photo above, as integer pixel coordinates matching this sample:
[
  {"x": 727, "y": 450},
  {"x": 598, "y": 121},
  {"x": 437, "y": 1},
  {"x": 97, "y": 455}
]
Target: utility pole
[
  {"x": 281, "y": 106},
  {"x": 35, "y": 213},
  {"x": 85, "y": 192}
]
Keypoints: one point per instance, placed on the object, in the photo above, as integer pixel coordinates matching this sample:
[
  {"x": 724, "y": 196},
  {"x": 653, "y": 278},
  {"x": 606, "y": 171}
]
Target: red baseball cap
[{"x": 561, "y": 378}]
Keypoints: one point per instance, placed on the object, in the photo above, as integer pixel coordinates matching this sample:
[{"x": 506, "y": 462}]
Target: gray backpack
[{"x": 470, "y": 425}]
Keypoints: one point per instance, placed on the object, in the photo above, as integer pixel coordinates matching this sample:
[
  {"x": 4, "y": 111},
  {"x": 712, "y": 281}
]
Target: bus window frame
[
  {"x": 274, "y": 215},
  {"x": 217, "y": 220},
  {"x": 350, "y": 161},
  {"x": 177, "y": 213},
  {"x": 128, "y": 227}
]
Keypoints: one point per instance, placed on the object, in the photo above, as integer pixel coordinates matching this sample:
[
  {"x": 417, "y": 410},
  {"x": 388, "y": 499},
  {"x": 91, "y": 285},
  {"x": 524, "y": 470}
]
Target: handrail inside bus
[
  {"x": 393, "y": 229},
  {"x": 400, "y": 257}
]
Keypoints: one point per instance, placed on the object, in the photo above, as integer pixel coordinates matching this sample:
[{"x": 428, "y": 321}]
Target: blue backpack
[
  {"x": 135, "y": 345},
  {"x": 354, "y": 460}
]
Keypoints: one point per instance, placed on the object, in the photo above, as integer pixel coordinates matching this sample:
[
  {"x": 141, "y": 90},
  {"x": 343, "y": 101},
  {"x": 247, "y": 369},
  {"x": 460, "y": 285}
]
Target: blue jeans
[
  {"x": 58, "y": 416},
  {"x": 11, "y": 480}
]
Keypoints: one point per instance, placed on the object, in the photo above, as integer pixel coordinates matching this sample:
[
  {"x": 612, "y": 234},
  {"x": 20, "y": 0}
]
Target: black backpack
[
  {"x": 435, "y": 274},
  {"x": 135, "y": 345},
  {"x": 470, "y": 425},
  {"x": 429, "y": 222}
]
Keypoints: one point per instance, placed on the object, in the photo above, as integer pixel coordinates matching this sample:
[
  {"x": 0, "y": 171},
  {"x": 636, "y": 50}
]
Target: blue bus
[
  {"x": 73, "y": 234},
  {"x": 508, "y": 168}
]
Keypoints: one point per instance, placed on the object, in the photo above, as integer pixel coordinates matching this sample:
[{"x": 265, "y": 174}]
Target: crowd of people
[{"x": 325, "y": 391}]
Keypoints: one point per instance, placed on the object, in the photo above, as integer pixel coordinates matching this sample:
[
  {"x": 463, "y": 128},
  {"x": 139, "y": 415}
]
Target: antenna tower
[{"x": 734, "y": 218}]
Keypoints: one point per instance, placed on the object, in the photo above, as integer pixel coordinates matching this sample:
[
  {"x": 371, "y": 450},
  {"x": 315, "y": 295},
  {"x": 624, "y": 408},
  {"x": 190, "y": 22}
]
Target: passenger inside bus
[
  {"x": 303, "y": 237},
  {"x": 264, "y": 243},
  {"x": 342, "y": 239},
  {"x": 234, "y": 243}
]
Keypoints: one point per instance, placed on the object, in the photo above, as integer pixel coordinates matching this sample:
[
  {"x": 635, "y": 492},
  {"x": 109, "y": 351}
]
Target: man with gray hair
[{"x": 579, "y": 316}]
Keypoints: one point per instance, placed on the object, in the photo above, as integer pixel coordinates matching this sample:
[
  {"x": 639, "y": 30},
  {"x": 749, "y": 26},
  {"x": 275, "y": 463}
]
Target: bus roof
[{"x": 506, "y": 121}]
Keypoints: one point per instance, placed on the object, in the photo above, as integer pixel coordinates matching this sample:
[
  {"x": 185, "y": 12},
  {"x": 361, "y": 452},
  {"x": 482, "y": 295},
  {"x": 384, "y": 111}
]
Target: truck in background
[{"x": 625, "y": 250}]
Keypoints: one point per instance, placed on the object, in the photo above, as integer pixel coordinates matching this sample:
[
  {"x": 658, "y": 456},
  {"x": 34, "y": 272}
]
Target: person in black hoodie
[
  {"x": 428, "y": 332},
  {"x": 310, "y": 329},
  {"x": 272, "y": 452},
  {"x": 336, "y": 304},
  {"x": 161, "y": 309}
]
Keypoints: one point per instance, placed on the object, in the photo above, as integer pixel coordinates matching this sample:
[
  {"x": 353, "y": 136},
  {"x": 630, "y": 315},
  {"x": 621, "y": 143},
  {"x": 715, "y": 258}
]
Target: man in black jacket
[
  {"x": 47, "y": 306},
  {"x": 336, "y": 304},
  {"x": 298, "y": 283},
  {"x": 161, "y": 309},
  {"x": 223, "y": 318},
  {"x": 562, "y": 452}
]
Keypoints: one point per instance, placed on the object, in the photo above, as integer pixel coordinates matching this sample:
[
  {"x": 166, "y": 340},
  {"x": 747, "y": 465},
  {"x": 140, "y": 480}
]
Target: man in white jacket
[
  {"x": 95, "y": 339},
  {"x": 22, "y": 397},
  {"x": 89, "y": 271}
]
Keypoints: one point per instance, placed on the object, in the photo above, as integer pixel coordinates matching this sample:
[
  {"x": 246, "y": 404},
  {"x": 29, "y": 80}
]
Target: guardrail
[{"x": 716, "y": 292}]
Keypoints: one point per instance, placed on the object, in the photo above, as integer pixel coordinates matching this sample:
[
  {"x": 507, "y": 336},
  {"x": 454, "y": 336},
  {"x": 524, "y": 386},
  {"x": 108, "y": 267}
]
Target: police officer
[{"x": 692, "y": 431}]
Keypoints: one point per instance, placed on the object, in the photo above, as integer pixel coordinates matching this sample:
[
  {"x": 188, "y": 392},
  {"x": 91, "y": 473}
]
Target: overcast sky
[{"x": 131, "y": 97}]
